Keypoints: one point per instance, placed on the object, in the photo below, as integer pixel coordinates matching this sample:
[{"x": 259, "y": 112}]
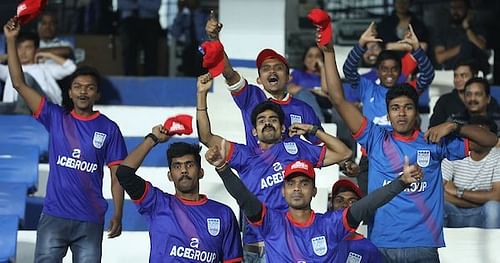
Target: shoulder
[{"x": 220, "y": 207}]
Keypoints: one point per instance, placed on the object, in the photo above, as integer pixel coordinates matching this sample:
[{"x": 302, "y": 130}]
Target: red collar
[
  {"x": 411, "y": 138},
  {"x": 203, "y": 199},
  {"x": 309, "y": 221},
  {"x": 85, "y": 118},
  {"x": 284, "y": 101}
]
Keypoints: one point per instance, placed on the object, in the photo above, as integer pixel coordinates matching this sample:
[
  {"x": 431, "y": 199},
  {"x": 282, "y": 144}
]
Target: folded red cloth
[
  {"x": 213, "y": 57},
  {"x": 29, "y": 10},
  {"x": 180, "y": 124},
  {"x": 321, "y": 19}
]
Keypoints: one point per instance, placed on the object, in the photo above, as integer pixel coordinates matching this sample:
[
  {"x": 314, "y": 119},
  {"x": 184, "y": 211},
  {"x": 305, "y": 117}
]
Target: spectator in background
[
  {"x": 460, "y": 40},
  {"x": 139, "y": 31},
  {"x": 49, "y": 42},
  {"x": 472, "y": 185},
  {"x": 41, "y": 77},
  {"x": 188, "y": 29},
  {"x": 355, "y": 245},
  {"x": 452, "y": 103},
  {"x": 308, "y": 84},
  {"x": 393, "y": 28}
]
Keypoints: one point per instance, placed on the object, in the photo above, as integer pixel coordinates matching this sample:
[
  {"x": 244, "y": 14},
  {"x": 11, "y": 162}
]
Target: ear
[
  {"x": 98, "y": 96},
  {"x": 315, "y": 191},
  {"x": 258, "y": 81},
  {"x": 169, "y": 176},
  {"x": 69, "y": 92},
  {"x": 201, "y": 173},
  {"x": 283, "y": 128},
  {"x": 254, "y": 132}
]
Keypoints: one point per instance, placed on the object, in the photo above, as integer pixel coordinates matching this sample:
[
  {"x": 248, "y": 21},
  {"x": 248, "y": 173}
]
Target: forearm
[
  {"x": 425, "y": 68},
  {"x": 203, "y": 122},
  {"x": 351, "y": 65},
  {"x": 117, "y": 194},
  {"x": 133, "y": 184},
  {"x": 231, "y": 76},
  {"x": 365, "y": 208},
  {"x": 458, "y": 201},
  {"x": 478, "y": 41},
  {"x": 58, "y": 59},
  {"x": 336, "y": 152},
  {"x": 442, "y": 54},
  {"x": 324, "y": 84},
  {"x": 479, "y": 135},
  {"x": 481, "y": 197},
  {"x": 135, "y": 159},
  {"x": 248, "y": 202},
  {"x": 64, "y": 52}
]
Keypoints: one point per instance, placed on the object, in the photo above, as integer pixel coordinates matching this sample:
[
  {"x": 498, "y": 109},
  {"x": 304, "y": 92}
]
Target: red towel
[
  {"x": 213, "y": 58},
  {"x": 322, "y": 20},
  {"x": 29, "y": 10},
  {"x": 180, "y": 124}
]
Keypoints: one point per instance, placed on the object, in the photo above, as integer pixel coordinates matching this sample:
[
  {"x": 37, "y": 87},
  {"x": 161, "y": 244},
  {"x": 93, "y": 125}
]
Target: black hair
[
  {"x": 399, "y": 91},
  {"x": 28, "y": 36},
  {"x": 267, "y": 105},
  {"x": 484, "y": 121},
  {"x": 483, "y": 82},
  {"x": 466, "y": 2},
  {"x": 305, "y": 54},
  {"x": 388, "y": 55},
  {"x": 81, "y": 71},
  {"x": 47, "y": 13},
  {"x": 179, "y": 149},
  {"x": 468, "y": 63}
]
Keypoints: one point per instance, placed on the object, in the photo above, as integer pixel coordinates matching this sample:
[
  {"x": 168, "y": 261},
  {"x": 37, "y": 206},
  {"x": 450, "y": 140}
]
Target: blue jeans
[
  {"x": 55, "y": 235},
  {"x": 250, "y": 257},
  {"x": 485, "y": 216},
  {"x": 410, "y": 255}
]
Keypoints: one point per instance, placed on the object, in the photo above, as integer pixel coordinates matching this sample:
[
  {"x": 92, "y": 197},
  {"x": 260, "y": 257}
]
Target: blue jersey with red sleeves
[
  {"x": 356, "y": 248},
  {"x": 418, "y": 210},
  {"x": 79, "y": 148},
  {"x": 296, "y": 111},
  {"x": 189, "y": 231},
  {"x": 313, "y": 241},
  {"x": 262, "y": 171}
]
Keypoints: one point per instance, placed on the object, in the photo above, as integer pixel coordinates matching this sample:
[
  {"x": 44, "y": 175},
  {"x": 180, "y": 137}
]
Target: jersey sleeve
[
  {"x": 116, "y": 150},
  {"x": 238, "y": 156},
  {"x": 367, "y": 134},
  {"x": 147, "y": 203},
  {"x": 233, "y": 251},
  {"x": 47, "y": 112},
  {"x": 247, "y": 97},
  {"x": 313, "y": 153},
  {"x": 338, "y": 224},
  {"x": 454, "y": 148},
  {"x": 270, "y": 221},
  {"x": 447, "y": 170}
]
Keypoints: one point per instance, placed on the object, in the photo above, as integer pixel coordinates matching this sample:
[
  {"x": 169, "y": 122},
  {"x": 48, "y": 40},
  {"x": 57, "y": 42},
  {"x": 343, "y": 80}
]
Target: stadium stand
[
  {"x": 19, "y": 164},
  {"x": 24, "y": 130},
  {"x": 12, "y": 199},
  {"x": 8, "y": 237}
]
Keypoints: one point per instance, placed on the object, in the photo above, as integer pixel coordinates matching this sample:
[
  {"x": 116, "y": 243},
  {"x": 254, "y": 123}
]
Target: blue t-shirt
[
  {"x": 358, "y": 249},
  {"x": 189, "y": 231},
  {"x": 305, "y": 80},
  {"x": 262, "y": 171},
  {"x": 79, "y": 147},
  {"x": 418, "y": 210},
  {"x": 313, "y": 241},
  {"x": 296, "y": 111}
]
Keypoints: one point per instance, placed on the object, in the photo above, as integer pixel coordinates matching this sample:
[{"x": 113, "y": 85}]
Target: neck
[
  {"x": 479, "y": 155},
  {"x": 264, "y": 146},
  {"x": 279, "y": 95},
  {"x": 84, "y": 112},
  {"x": 402, "y": 15},
  {"x": 195, "y": 196},
  {"x": 300, "y": 215}
]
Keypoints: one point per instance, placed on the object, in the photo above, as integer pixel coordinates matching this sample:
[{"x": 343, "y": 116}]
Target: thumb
[
  {"x": 212, "y": 16},
  {"x": 223, "y": 148},
  {"x": 406, "y": 164}
]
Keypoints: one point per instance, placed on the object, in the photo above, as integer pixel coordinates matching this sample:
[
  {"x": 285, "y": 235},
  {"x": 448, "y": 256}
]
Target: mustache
[
  {"x": 268, "y": 126},
  {"x": 185, "y": 177},
  {"x": 473, "y": 102}
]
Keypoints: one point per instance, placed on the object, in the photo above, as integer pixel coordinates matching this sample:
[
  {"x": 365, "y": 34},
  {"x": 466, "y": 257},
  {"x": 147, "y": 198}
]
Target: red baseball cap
[
  {"x": 322, "y": 20},
  {"x": 300, "y": 167},
  {"x": 28, "y": 10},
  {"x": 344, "y": 183},
  {"x": 213, "y": 58},
  {"x": 267, "y": 54},
  {"x": 180, "y": 124}
]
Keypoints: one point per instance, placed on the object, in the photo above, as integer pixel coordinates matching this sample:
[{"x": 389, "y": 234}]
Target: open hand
[
  {"x": 370, "y": 35},
  {"x": 434, "y": 134}
]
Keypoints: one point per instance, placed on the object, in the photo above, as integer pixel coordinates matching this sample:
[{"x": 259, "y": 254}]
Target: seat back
[{"x": 19, "y": 164}]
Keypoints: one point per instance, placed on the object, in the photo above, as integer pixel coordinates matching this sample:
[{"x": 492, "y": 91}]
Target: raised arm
[
  {"x": 365, "y": 208},
  {"x": 202, "y": 120},
  {"x": 134, "y": 185},
  {"x": 30, "y": 96},
  {"x": 349, "y": 113},
  {"x": 64, "y": 52},
  {"x": 248, "y": 202},
  {"x": 336, "y": 150}
]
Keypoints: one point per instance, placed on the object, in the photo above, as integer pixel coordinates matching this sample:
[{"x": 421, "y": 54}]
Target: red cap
[
  {"x": 322, "y": 20},
  {"x": 300, "y": 167},
  {"x": 267, "y": 54},
  {"x": 213, "y": 58},
  {"x": 28, "y": 10},
  {"x": 344, "y": 183},
  {"x": 180, "y": 124}
]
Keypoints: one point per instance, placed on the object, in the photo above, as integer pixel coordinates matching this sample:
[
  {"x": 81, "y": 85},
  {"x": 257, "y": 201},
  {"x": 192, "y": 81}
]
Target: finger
[
  {"x": 426, "y": 136},
  {"x": 212, "y": 16},
  {"x": 411, "y": 29},
  {"x": 223, "y": 148},
  {"x": 406, "y": 163},
  {"x": 114, "y": 230}
]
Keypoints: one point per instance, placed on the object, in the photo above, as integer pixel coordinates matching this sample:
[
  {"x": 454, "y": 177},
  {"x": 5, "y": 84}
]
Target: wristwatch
[{"x": 460, "y": 192}]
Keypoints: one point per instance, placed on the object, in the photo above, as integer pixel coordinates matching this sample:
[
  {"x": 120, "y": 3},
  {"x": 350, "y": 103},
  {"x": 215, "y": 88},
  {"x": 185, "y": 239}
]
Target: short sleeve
[
  {"x": 247, "y": 97},
  {"x": 232, "y": 239},
  {"x": 116, "y": 149},
  {"x": 313, "y": 153},
  {"x": 447, "y": 170},
  {"x": 271, "y": 221},
  {"x": 238, "y": 156},
  {"x": 147, "y": 203},
  {"x": 454, "y": 148},
  {"x": 496, "y": 168},
  {"x": 47, "y": 112},
  {"x": 367, "y": 134}
]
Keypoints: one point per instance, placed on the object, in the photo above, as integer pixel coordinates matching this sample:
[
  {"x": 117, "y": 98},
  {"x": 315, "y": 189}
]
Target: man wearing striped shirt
[{"x": 472, "y": 186}]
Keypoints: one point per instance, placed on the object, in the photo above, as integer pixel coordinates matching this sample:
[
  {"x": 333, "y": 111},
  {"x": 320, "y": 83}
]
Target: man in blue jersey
[
  {"x": 355, "y": 247},
  {"x": 81, "y": 142},
  {"x": 410, "y": 227},
  {"x": 299, "y": 234},
  {"x": 372, "y": 93},
  {"x": 261, "y": 168},
  {"x": 187, "y": 226},
  {"x": 274, "y": 75}
]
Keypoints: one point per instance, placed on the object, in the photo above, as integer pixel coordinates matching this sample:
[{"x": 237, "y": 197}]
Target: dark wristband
[
  {"x": 314, "y": 130},
  {"x": 152, "y": 137}
]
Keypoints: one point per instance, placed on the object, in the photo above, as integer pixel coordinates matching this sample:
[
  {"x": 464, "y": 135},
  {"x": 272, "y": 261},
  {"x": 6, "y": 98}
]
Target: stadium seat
[
  {"x": 8, "y": 237},
  {"x": 19, "y": 164},
  {"x": 24, "y": 130},
  {"x": 157, "y": 156},
  {"x": 495, "y": 92},
  {"x": 13, "y": 199},
  {"x": 131, "y": 220}
]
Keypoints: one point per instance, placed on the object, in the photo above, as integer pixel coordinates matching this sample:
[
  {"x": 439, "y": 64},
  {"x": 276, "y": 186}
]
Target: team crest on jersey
[
  {"x": 423, "y": 158},
  {"x": 353, "y": 258},
  {"x": 319, "y": 245},
  {"x": 213, "y": 225},
  {"x": 99, "y": 139},
  {"x": 295, "y": 119},
  {"x": 291, "y": 147}
]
